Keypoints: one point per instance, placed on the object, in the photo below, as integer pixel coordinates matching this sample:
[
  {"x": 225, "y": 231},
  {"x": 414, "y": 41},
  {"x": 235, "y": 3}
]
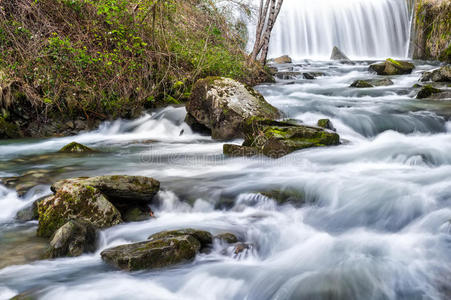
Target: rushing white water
[
  {"x": 360, "y": 28},
  {"x": 375, "y": 223}
]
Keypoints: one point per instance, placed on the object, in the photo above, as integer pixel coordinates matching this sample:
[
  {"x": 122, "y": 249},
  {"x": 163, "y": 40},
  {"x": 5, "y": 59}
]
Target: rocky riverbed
[{"x": 365, "y": 216}]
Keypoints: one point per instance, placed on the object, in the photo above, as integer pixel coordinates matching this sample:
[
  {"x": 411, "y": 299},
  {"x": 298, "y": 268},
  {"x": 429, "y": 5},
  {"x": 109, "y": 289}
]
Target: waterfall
[{"x": 361, "y": 28}]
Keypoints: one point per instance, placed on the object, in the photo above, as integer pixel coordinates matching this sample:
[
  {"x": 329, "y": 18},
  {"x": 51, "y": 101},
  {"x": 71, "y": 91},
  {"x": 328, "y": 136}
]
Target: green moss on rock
[
  {"x": 427, "y": 91},
  {"x": 392, "y": 67},
  {"x": 163, "y": 250},
  {"x": 76, "y": 148}
]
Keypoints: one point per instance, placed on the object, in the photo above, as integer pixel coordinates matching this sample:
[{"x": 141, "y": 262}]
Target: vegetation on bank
[
  {"x": 433, "y": 30},
  {"x": 63, "y": 60}
]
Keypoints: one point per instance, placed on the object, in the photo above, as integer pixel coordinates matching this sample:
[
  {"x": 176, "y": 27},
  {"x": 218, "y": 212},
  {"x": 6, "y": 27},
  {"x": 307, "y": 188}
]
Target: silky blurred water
[{"x": 375, "y": 223}]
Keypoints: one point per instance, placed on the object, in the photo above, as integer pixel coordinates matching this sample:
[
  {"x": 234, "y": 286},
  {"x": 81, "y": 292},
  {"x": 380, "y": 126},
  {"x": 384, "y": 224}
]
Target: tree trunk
[{"x": 266, "y": 20}]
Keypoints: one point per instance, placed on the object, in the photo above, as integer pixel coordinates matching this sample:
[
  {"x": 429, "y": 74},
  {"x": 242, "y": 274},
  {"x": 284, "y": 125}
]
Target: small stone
[
  {"x": 76, "y": 148},
  {"x": 392, "y": 67}
]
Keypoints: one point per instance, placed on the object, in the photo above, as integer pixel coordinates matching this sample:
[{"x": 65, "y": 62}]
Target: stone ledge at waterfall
[
  {"x": 221, "y": 105},
  {"x": 102, "y": 201}
]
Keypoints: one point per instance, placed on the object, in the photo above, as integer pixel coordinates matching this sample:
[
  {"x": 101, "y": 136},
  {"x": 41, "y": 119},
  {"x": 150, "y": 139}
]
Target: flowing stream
[
  {"x": 361, "y": 28},
  {"x": 375, "y": 223}
]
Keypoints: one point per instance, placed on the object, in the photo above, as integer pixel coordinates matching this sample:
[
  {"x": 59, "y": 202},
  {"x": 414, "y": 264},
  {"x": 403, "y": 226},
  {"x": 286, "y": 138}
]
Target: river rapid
[{"x": 374, "y": 223}]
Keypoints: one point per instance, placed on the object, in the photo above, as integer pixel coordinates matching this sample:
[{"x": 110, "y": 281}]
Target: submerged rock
[
  {"x": 288, "y": 75},
  {"x": 19, "y": 245},
  {"x": 326, "y": 123},
  {"x": 312, "y": 75},
  {"x": 76, "y": 148},
  {"x": 371, "y": 83},
  {"x": 337, "y": 54},
  {"x": 427, "y": 91},
  {"x": 73, "y": 239},
  {"x": 23, "y": 183},
  {"x": 28, "y": 213},
  {"x": 223, "y": 104},
  {"x": 285, "y": 59},
  {"x": 239, "y": 151},
  {"x": 284, "y": 196},
  {"x": 227, "y": 237},
  {"x": 162, "y": 250},
  {"x": 392, "y": 67},
  {"x": 442, "y": 74},
  {"x": 276, "y": 139},
  {"x": 137, "y": 214}
]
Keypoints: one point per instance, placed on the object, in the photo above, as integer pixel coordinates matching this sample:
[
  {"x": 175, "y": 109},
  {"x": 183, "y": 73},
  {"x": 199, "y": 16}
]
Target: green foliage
[{"x": 112, "y": 58}]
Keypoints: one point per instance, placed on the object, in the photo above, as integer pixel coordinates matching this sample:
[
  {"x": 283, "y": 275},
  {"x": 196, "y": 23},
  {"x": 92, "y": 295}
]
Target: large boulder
[
  {"x": 371, "y": 83},
  {"x": 76, "y": 201},
  {"x": 223, "y": 104},
  {"x": 102, "y": 201},
  {"x": 442, "y": 74},
  {"x": 276, "y": 139},
  {"x": 73, "y": 239},
  {"x": 161, "y": 250},
  {"x": 118, "y": 188},
  {"x": 392, "y": 67}
]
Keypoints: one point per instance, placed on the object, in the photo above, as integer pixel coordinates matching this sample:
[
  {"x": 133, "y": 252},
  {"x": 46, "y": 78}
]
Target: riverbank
[
  {"x": 67, "y": 65},
  {"x": 432, "y": 30}
]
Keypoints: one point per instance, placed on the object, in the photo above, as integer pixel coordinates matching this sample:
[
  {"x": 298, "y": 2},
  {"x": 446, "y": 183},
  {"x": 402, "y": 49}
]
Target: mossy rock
[
  {"x": 326, "y": 124},
  {"x": 80, "y": 202},
  {"x": 392, "y": 67},
  {"x": 371, "y": 83},
  {"x": 427, "y": 91},
  {"x": 72, "y": 239},
  {"x": 137, "y": 214},
  {"x": 284, "y": 196},
  {"x": 119, "y": 189},
  {"x": 227, "y": 237},
  {"x": 442, "y": 74},
  {"x": 153, "y": 254},
  {"x": 204, "y": 237},
  {"x": 276, "y": 139},
  {"x": 222, "y": 105},
  {"x": 76, "y": 148},
  {"x": 239, "y": 151}
]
